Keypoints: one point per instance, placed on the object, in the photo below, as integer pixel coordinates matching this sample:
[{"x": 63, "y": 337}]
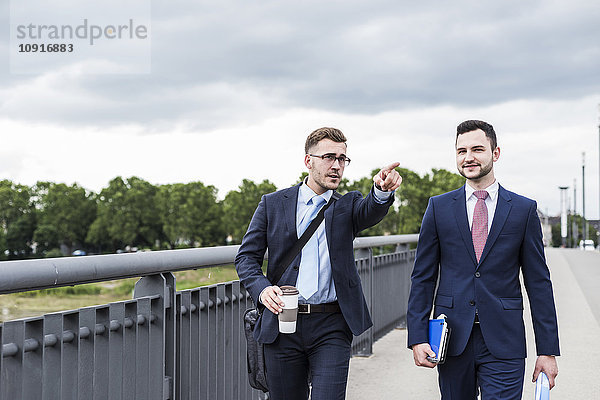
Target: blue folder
[
  {"x": 542, "y": 387},
  {"x": 438, "y": 338}
]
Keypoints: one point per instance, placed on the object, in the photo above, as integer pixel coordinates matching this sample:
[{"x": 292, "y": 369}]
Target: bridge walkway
[{"x": 391, "y": 374}]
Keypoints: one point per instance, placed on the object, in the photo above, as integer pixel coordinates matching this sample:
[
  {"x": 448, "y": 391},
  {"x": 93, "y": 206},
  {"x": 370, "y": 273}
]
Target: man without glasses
[
  {"x": 473, "y": 243},
  {"x": 325, "y": 274}
]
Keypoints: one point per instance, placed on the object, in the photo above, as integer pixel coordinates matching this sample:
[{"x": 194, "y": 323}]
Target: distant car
[
  {"x": 79, "y": 253},
  {"x": 586, "y": 245}
]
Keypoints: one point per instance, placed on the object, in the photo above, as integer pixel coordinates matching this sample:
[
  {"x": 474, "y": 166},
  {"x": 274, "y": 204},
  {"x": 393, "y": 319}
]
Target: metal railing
[{"x": 162, "y": 344}]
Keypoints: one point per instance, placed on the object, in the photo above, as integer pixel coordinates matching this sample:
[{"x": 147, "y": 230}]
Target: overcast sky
[{"x": 235, "y": 87}]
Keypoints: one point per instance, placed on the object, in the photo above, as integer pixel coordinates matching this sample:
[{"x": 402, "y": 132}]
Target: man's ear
[
  {"x": 496, "y": 154},
  {"x": 307, "y": 161}
]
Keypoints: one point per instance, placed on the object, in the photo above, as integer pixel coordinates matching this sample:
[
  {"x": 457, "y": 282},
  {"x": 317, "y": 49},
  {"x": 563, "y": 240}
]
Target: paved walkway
[{"x": 391, "y": 374}]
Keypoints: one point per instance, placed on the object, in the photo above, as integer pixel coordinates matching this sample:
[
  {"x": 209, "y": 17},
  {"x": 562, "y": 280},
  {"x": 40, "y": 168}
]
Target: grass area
[
  {"x": 38, "y": 302},
  {"x": 206, "y": 276}
]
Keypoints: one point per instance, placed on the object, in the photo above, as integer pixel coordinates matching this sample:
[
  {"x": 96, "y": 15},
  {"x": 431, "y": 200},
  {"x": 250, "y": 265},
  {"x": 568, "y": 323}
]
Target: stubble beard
[
  {"x": 323, "y": 182},
  {"x": 485, "y": 170}
]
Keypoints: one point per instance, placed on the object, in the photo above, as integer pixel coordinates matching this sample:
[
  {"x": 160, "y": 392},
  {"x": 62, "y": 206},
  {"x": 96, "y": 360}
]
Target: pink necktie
[{"x": 479, "y": 232}]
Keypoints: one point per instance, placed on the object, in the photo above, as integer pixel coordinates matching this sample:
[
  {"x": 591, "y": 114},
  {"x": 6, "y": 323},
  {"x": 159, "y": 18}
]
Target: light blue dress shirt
[{"x": 326, "y": 291}]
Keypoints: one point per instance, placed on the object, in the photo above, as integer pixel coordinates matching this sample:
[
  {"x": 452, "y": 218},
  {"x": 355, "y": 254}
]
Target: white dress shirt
[{"x": 490, "y": 202}]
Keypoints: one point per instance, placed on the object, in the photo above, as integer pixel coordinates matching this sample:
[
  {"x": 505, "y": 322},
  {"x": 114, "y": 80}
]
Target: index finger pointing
[{"x": 391, "y": 166}]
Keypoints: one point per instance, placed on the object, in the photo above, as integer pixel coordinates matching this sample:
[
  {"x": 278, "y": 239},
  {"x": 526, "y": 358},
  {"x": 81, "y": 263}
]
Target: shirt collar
[
  {"x": 305, "y": 194},
  {"x": 492, "y": 190}
]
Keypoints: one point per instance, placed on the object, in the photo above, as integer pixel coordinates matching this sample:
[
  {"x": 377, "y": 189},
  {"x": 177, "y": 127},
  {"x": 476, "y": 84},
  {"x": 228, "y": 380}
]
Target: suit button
[
  {"x": 295, "y": 267},
  {"x": 477, "y": 274},
  {"x": 472, "y": 302}
]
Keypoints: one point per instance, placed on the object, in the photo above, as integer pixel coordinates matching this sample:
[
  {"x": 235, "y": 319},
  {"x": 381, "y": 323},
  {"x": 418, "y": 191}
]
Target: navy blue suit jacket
[
  {"x": 492, "y": 287},
  {"x": 273, "y": 227}
]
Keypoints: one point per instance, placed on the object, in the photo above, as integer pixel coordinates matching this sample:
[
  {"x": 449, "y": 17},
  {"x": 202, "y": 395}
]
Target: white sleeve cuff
[{"x": 260, "y": 295}]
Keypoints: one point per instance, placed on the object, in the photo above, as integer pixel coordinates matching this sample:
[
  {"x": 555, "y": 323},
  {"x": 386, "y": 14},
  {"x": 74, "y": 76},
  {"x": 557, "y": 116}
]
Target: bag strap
[{"x": 301, "y": 242}]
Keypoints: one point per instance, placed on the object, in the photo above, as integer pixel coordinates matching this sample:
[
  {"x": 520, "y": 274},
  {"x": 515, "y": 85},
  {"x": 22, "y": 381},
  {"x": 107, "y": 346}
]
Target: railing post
[
  {"x": 163, "y": 285},
  {"x": 367, "y": 253},
  {"x": 402, "y": 247}
]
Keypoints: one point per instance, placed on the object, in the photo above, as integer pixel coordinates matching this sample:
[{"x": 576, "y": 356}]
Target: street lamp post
[
  {"x": 563, "y": 214},
  {"x": 574, "y": 230},
  {"x": 584, "y": 222}
]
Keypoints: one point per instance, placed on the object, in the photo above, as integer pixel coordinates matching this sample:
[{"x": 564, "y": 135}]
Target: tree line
[
  {"x": 50, "y": 219},
  {"x": 574, "y": 231}
]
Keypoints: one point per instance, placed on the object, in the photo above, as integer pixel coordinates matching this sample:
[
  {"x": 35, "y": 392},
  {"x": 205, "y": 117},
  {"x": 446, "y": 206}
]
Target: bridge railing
[{"x": 163, "y": 343}]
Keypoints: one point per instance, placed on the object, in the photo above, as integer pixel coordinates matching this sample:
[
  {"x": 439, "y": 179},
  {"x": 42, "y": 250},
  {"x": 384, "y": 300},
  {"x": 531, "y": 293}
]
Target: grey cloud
[
  {"x": 10, "y": 163},
  {"x": 228, "y": 62}
]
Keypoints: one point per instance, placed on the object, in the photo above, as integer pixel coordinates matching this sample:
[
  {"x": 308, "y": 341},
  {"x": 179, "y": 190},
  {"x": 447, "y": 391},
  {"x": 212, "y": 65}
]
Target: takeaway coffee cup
[{"x": 287, "y": 317}]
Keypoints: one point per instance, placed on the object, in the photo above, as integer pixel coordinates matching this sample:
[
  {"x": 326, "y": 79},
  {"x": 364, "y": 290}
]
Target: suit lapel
[
  {"x": 460, "y": 213},
  {"x": 290, "y": 201},
  {"x": 503, "y": 207}
]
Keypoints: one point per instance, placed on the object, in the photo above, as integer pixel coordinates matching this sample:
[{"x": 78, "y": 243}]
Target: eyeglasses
[{"x": 330, "y": 158}]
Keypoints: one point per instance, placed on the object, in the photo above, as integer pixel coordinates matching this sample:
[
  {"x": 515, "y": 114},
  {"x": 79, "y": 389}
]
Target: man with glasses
[{"x": 332, "y": 306}]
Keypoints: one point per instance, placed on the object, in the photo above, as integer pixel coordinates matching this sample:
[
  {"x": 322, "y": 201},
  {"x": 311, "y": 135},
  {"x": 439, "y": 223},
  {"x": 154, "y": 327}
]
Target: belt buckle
[{"x": 307, "y": 310}]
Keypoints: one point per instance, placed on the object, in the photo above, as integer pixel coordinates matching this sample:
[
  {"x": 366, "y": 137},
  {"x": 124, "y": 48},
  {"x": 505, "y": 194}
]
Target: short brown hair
[
  {"x": 323, "y": 133},
  {"x": 473, "y": 125}
]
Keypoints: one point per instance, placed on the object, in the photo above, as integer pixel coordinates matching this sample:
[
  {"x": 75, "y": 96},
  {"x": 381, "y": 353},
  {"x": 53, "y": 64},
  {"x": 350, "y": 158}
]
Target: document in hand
[
  {"x": 542, "y": 387},
  {"x": 438, "y": 338}
]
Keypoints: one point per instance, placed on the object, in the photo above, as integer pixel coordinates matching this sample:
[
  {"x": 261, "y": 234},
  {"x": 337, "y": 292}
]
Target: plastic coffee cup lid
[{"x": 289, "y": 290}]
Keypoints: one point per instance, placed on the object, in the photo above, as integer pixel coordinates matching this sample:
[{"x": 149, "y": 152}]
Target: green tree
[
  {"x": 98, "y": 235},
  {"x": 556, "y": 235},
  {"x": 364, "y": 185},
  {"x": 414, "y": 194},
  {"x": 405, "y": 215},
  {"x": 3, "y": 245},
  {"x": 190, "y": 215},
  {"x": 442, "y": 181},
  {"x": 65, "y": 214},
  {"x": 239, "y": 206},
  {"x": 17, "y": 219},
  {"x": 593, "y": 234},
  {"x": 19, "y": 235},
  {"x": 127, "y": 215}
]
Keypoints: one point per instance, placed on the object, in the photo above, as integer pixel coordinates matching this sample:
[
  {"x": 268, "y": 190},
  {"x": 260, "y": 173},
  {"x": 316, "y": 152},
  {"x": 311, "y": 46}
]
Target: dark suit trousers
[
  {"x": 498, "y": 379},
  {"x": 320, "y": 350}
]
